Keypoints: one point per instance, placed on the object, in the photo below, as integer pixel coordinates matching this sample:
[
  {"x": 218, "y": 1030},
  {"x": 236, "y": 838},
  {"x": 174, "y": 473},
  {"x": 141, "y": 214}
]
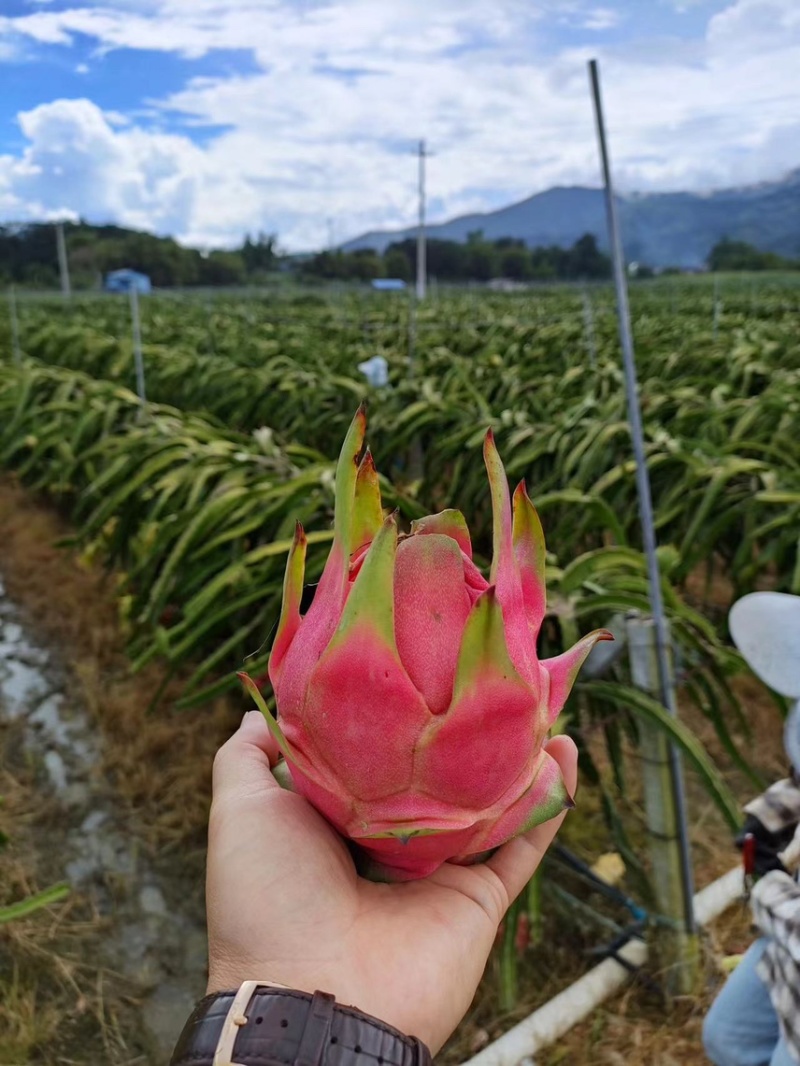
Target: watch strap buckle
[{"x": 235, "y": 1019}]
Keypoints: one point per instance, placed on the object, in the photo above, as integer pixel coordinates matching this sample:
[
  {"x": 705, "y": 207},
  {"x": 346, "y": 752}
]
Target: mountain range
[{"x": 659, "y": 229}]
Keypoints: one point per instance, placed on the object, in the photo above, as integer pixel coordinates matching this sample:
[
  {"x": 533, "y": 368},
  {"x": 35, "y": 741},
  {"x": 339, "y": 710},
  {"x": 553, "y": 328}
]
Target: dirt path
[
  {"x": 149, "y": 953},
  {"x": 98, "y": 791}
]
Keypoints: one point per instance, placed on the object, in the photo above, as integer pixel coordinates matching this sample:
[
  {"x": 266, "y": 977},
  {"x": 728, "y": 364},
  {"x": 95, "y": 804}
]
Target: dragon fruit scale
[{"x": 412, "y": 706}]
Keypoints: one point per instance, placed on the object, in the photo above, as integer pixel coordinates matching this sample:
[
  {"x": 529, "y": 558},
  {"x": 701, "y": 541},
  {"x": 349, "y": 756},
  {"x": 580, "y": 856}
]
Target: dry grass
[
  {"x": 634, "y": 1029},
  {"x": 158, "y": 763},
  {"x": 58, "y": 1005}
]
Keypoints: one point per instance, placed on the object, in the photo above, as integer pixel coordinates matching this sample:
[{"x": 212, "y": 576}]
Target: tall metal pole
[
  {"x": 12, "y": 314},
  {"x": 63, "y": 262},
  {"x": 422, "y": 267},
  {"x": 717, "y": 307},
  {"x": 137, "y": 343},
  {"x": 588, "y": 329},
  {"x": 645, "y": 499}
]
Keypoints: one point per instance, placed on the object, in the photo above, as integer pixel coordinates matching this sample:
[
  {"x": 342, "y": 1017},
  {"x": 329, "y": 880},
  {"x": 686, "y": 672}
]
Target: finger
[
  {"x": 516, "y": 862},
  {"x": 244, "y": 761}
]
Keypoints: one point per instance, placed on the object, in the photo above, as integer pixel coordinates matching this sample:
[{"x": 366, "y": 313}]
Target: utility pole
[
  {"x": 63, "y": 263},
  {"x": 422, "y": 267}
]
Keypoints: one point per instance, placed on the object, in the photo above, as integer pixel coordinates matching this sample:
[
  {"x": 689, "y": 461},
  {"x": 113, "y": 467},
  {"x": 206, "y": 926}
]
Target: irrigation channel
[{"x": 159, "y": 949}]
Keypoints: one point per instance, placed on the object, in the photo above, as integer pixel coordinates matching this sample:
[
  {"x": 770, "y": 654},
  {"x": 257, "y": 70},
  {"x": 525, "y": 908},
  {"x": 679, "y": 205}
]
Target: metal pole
[
  {"x": 137, "y": 343},
  {"x": 412, "y": 335},
  {"x": 422, "y": 268},
  {"x": 588, "y": 326},
  {"x": 12, "y": 313},
  {"x": 645, "y": 499},
  {"x": 717, "y": 307},
  {"x": 63, "y": 262},
  {"x": 676, "y": 949}
]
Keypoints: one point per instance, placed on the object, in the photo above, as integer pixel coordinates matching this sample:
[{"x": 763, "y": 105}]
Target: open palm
[{"x": 285, "y": 904}]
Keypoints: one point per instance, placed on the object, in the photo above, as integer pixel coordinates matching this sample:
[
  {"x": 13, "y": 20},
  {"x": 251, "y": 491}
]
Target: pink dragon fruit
[{"x": 412, "y": 706}]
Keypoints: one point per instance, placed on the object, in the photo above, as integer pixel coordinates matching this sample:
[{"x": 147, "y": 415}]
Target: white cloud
[
  {"x": 326, "y": 126},
  {"x": 76, "y": 163},
  {"x": 756, "y": 26},
  {"x": 601, "y": 18}
]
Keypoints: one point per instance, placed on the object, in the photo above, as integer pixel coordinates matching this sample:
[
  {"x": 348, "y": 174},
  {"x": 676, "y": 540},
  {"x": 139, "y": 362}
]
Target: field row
[{"x": 721, "y": 417}]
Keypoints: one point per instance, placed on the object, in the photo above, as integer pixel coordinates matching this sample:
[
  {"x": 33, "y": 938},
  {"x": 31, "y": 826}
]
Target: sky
[{"x": 210, "y": 119}]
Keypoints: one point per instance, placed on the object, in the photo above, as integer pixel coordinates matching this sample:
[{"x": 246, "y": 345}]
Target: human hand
[{"x": 285, "y": 904}]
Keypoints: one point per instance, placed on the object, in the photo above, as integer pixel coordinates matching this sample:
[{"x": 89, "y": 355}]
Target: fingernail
[{"x": 244, "y": 716}]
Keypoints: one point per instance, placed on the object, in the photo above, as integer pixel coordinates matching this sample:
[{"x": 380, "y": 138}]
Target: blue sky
[{"x": 207, "y": 119}]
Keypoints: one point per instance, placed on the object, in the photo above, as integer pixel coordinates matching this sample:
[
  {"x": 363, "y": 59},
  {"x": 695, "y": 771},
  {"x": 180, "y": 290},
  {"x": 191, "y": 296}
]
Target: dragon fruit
[{"x": 412, "y": 705}]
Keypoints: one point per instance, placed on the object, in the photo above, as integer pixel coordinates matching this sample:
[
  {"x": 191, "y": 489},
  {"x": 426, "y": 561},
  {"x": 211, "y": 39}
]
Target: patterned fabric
[
  {"x": 776, "y": 912},
  {"x": 779, "y": 807}
]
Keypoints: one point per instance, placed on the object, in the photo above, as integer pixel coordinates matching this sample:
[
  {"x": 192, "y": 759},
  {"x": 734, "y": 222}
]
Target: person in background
[
  {"x": 755, "y": 1020},
  {"x": 311, "y": 964}
]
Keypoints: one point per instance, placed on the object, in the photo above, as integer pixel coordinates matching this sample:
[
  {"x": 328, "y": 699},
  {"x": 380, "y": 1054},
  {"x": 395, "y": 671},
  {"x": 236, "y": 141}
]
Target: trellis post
[{"x": 659, "y": 665}]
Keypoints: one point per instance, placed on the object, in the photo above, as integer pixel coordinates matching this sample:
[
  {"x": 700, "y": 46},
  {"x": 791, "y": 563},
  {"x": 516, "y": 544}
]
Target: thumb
[
  {"x": 516, "y": 862},
  {"x": 242, "y": 764}
]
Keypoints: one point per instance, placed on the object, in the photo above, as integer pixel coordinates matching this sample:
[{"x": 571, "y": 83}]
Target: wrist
[
  {"x": 263, "y": 1024},
  {"x": 217, "y": 985}
]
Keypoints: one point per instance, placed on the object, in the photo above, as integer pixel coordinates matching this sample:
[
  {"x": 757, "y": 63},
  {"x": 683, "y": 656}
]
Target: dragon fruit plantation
[{"x": 420, "y": 575}]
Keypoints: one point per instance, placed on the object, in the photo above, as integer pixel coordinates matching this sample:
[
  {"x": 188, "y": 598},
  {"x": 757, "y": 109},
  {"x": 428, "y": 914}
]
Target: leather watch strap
[{"x": 283, "y": 1027}]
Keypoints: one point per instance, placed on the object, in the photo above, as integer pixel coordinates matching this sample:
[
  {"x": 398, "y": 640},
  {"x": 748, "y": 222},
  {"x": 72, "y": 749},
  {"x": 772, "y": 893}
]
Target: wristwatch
[{"x": 266, "y": 1025}]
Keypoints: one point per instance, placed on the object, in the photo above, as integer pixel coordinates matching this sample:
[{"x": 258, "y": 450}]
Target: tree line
[
  {"x": 28, "y": 259},
  {"x": 728, "y": 255},
  {"x": 477, "y": 259}
]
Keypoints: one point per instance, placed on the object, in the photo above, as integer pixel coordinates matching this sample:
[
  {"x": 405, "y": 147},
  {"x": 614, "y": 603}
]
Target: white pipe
[
  {"x": 715, "y": 898},
  {"x": 571, "y": 1006}
]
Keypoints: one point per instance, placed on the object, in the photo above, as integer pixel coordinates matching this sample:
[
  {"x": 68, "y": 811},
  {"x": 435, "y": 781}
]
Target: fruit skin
[{"x": 412, "y": 705}]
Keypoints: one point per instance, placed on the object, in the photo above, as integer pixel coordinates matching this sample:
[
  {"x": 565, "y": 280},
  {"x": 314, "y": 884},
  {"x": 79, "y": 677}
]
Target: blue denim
[{"x": 741, "y": 1029}]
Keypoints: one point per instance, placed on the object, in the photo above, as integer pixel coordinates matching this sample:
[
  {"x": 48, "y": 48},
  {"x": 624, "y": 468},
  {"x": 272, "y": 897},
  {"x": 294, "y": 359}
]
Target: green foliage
[
  {"x": 193, "y": 497},
  {"x": 35, "y": 902},
  {"x": 28, "y": 257},
  {"x": 738, "y": 255},
  {"x": 475, "y": 260},
  {"x": 196, "y": 510}
]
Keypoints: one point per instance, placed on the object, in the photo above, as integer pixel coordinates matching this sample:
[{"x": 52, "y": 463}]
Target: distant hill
[{"x": 660, "y": 229}]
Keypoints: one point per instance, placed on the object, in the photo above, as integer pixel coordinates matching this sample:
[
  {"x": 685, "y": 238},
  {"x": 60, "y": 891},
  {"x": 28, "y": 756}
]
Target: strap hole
[
  {"x": 284, "y": 1023},
  {"x": 380, "y": 1061},
  {"x": 357, "y": 1049},
  {"x": 259, "y": 1021},
  {"x": 334, "y": 1039}
]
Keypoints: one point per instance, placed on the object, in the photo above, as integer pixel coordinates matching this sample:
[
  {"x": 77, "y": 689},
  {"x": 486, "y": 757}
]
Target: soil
[{"x": 101, "y": 792}]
